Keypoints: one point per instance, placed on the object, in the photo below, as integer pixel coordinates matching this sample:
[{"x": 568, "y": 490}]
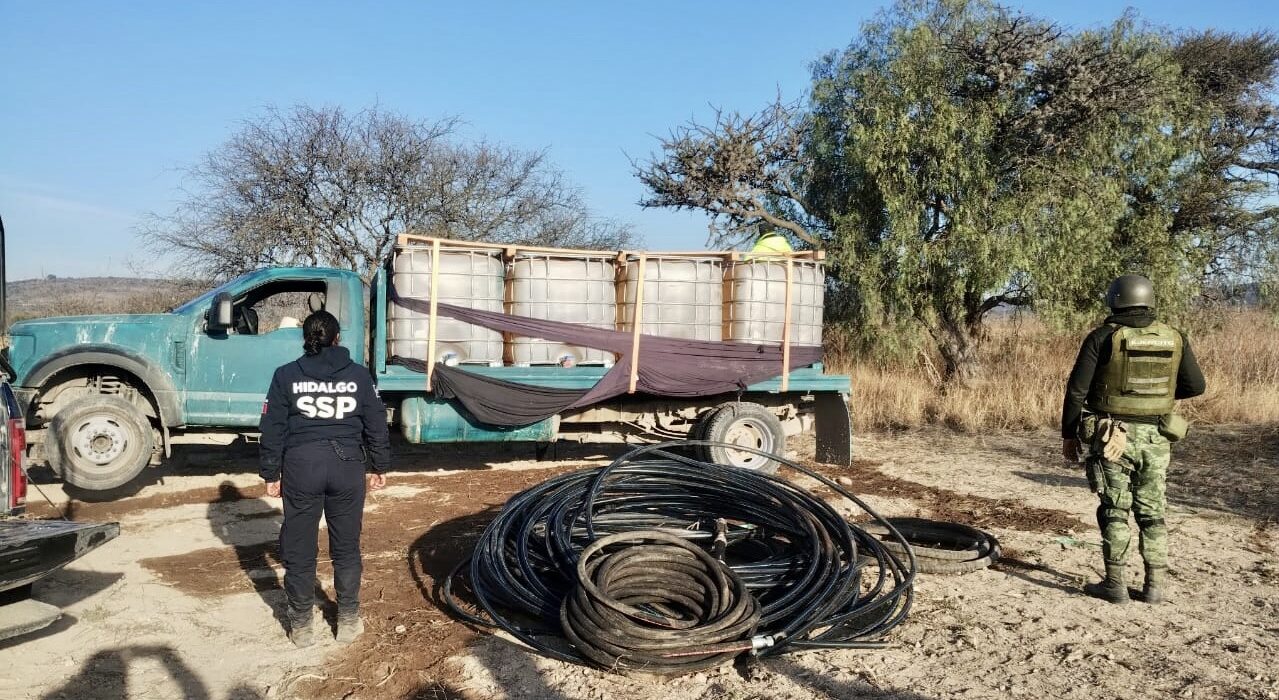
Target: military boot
[
  {"x": 1153, "y": 592},
  {"x": 1111, "y": 589},
  {"x": 301, "y": 629},
  {"x": 350, "y": 625}
]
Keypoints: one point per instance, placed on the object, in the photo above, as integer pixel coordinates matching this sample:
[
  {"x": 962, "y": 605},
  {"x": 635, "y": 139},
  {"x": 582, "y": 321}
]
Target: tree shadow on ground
[
  {"x": 1062, "y": 480},
  {"x": 431, "y": 559},
  {"x": 61, "y": 589},
  {"x": 509, "y": 665},
  {"x": 250, "y": 526},
  {"x": 1035, "y": 447},
  {"x": 1038, "y": 574},
  {"x": 1233, "y": 469},
  {"x": 823, "y": 684},
  {"x": 244, "y": 692},
  {"x": 106, "y": 675},
  {"x": 239, "y": 456},
  {"x": 70, "y": 586},
  {"x": 410, "y": 458}
]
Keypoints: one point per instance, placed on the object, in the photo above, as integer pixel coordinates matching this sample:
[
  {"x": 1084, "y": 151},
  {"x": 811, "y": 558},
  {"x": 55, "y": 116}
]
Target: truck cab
[{"x": 103, "y": 393}]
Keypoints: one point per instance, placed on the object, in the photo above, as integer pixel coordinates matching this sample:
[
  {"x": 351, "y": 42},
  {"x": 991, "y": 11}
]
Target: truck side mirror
[{"x": 220, "y": 312}]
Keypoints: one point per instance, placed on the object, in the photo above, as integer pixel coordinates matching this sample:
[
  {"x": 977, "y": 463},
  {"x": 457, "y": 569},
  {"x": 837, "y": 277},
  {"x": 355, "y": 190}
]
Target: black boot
[
  {"x": 350, "y": 625},
  {"x": 1153, "y": 592},
  {"x": 301, "y": 629},
  {"x": 1112, "y": 588}
]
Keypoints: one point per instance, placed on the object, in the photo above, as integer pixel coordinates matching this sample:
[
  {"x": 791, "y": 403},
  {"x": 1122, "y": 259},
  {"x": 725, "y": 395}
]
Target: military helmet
[{"x": 1128, "y": 291}]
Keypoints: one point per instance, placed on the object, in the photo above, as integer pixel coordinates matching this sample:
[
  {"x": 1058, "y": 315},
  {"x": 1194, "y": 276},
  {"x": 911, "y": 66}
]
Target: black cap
[{"x": 1128, "y": 291}]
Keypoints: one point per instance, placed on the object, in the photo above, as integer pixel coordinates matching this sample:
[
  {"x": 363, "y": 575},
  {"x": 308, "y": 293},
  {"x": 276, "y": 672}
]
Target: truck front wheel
[
  {"x": 748, "y": 425},
  {"x": 100, "y": 442}
]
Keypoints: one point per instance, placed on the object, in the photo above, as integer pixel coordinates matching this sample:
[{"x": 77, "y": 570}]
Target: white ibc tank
[
  {"x": 755, "y": 310},
  {"x": 570, "y": 288},
  {"x": 471, "y": 278},
  {"x": 683, "y": 297}
]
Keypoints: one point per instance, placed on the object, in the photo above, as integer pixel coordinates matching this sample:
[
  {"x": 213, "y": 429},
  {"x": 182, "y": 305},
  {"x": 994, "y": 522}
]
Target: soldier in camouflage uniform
[{"x": 1119, "y": 407}]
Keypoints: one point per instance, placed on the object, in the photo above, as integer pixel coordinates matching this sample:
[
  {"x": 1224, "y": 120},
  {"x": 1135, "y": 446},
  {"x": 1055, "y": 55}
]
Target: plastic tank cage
[
  {"x": 682, "y": 297},
  {"x": 755, "y": 301},
  {"x": 571, "y": 288},
  {"x": 697, "y": 295},
  {"x": 473, "y": 278}
]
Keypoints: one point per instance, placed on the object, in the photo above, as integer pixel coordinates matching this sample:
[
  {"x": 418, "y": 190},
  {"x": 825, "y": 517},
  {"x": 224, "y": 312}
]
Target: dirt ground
[{"x": 184, "y": 603}]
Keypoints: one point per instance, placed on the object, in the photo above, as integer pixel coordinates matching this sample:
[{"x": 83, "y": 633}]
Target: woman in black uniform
[{"x": 323, "y": 426}]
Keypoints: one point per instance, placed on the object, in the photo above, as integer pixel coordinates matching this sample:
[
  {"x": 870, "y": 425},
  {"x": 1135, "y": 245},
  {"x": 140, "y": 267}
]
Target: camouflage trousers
[{"x": 1135, "y": 484}]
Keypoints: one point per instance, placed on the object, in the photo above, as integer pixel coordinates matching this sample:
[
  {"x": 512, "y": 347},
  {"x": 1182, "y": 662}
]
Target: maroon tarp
[{"x": 668, "y": 366}]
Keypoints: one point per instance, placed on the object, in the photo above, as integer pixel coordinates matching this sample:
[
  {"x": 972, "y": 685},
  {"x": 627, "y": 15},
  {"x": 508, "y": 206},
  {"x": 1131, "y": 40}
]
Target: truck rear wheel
[
  {"x": 748, "y": 425},
  {"x": 100, "y": 442}
]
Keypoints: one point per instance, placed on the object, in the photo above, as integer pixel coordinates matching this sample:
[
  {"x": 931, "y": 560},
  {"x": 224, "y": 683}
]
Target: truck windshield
[{"x": 204, "y": 299}]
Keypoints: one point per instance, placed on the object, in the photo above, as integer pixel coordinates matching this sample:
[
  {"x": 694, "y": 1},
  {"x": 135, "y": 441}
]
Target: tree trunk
[
  {"x": 959, "y": 361},
  {"x": 958, "y": 344}
]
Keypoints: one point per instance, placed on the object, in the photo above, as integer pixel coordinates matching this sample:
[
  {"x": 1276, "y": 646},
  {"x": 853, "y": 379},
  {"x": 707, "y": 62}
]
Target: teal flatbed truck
[{"x": 107, "y": 395}]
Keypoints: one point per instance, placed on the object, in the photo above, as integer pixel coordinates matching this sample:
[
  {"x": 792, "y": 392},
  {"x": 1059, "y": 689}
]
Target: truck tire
[
  {"x": 100, "y": 442},
  {"x": 749, "y": 425},
  {"x": 698, "y": 432}
]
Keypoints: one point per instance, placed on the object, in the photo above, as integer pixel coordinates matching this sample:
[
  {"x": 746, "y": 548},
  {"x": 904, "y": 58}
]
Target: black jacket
[
  {"x": 325, "y": 397},
  {"x": 1095, "y": 353}
]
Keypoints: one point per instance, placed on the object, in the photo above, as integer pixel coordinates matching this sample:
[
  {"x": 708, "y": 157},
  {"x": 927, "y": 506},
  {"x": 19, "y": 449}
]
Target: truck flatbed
[{"x": 394, "y": 378}]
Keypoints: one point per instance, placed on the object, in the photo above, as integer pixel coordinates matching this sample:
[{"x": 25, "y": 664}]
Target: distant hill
[{"x": 72, "y": 296}]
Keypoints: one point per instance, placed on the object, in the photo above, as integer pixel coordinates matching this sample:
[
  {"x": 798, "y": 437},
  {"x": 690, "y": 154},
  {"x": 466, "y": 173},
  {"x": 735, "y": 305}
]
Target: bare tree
[
  {"x": 744, "y": 170},
  {"x": 319, "y": 186}
]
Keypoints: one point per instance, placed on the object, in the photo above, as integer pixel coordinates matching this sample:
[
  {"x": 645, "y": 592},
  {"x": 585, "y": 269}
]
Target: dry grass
[
  {"x": 1025, "y": 369},
  {"x": 96, "y": 295},
  {"x": 93, "y": 303}
]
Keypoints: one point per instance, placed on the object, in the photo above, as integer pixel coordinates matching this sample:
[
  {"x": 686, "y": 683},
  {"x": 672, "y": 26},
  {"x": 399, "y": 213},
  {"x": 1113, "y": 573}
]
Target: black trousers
[{"x": 329, "y": 479}]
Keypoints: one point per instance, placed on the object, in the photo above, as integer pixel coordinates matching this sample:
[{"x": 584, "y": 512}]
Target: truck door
[{"x": 229, "y": 372}]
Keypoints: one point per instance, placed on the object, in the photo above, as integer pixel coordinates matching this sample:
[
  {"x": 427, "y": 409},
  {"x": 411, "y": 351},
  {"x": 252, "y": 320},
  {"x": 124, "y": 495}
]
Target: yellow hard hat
[{"x": 772, "y": 242}]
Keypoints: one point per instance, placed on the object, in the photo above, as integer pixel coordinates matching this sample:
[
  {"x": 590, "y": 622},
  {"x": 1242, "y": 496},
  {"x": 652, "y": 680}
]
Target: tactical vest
[{"x": 1141, "y": 377}]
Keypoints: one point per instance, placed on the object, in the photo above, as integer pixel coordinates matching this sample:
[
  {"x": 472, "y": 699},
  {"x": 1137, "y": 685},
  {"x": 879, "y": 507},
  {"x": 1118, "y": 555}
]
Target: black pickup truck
[{"x": 29, "y": 549}]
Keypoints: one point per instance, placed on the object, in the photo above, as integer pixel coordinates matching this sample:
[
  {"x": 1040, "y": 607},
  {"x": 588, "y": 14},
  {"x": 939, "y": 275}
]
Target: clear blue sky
[{"x": 102, "y": 104}]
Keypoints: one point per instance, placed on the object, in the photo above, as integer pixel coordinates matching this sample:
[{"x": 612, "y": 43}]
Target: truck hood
[
  {"x": 36, "y": 325},
  {"x": 32, "y": 342}
]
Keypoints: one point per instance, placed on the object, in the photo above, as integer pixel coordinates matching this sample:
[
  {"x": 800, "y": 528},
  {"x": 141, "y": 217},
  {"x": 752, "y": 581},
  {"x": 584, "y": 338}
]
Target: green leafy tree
[
  {"x": 1225, "y": 200},
  {"x": 1201, "y": 213},
  {"x": 957, "y": 157}
]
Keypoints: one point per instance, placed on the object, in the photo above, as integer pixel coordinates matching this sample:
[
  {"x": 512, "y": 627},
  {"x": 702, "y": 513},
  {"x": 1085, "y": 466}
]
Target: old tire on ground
[
  {"x": 746, "y": 424},
  {"x": 100, "y": 442},
  {"x": 942, "y": 547}
]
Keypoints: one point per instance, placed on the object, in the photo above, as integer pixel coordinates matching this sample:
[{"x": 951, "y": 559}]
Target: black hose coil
[
  {"x": 659, "y": 603},
  {"x": 818, "y": 580}
]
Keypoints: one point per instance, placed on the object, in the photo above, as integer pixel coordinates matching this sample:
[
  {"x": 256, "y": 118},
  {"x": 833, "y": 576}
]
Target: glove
[{"x": 1116, "y": 443}]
